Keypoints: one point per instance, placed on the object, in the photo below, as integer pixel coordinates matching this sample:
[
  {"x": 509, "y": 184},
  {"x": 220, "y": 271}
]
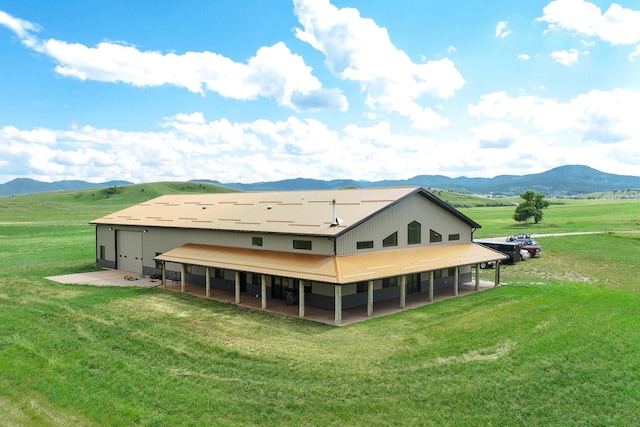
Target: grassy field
[{"x": 559, "y": 344}]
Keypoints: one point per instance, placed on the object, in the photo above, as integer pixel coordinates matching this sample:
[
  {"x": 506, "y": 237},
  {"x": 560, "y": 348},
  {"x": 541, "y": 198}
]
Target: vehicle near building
[
  {"x": 512, "y": 249},
  {"x": 528, "y": 244}
]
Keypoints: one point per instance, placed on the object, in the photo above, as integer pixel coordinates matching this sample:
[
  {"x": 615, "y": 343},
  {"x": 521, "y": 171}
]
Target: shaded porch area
[{"x": 349, "y": 315}]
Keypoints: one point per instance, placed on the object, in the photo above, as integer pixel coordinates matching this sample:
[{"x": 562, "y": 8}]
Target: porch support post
[
  {"x": 497, "y": 276},
  {"x": 301, "y": 298},
  {"x": 456, "y": 276},
  {"x": 431, "y": 286},
  {"x": 263, "y": 290},
  {"x": 183, "y": 285},
  {"x": 207, "y": 278},
  {"x": 477, "y": 277},
  {"x": 164, "y": 274},
  {"x": 237, "y": 287},
  {"x": 370, "y": 298},
  {"x": 338, "y": 304},
  {"x": 403, "y": 291}
]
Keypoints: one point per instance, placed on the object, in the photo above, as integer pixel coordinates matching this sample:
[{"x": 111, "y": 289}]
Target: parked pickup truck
[{"x": 528, "y": 244}]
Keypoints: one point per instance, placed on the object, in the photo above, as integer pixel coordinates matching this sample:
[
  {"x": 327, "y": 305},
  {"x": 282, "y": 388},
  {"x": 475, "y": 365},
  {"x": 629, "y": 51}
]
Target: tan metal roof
[
  {"x": 333, "y": 269},
  {"x": 289, "y": 212}
]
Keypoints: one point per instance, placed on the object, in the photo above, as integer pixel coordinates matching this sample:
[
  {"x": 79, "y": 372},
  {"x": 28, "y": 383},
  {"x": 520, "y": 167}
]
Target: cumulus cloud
[
  {"x": 599, "y": 116},
  {"x": 524, "y": 57},
  {"x": 566, "y": 57},
  {"x": 188, "y": 147},
  {"x": 618, "y": 25},
  {"x": 358, "y": 50},
  {"x": 517, "y": 139},
  {"x": 274, "y": 72}
]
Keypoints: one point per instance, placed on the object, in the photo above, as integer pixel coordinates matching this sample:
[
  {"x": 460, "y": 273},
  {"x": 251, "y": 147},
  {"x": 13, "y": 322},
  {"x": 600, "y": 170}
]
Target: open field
[{"x": 559, "y": 344}]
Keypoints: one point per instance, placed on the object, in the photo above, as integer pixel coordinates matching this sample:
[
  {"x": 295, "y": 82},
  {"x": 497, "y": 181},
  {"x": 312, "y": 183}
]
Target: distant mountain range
[
  {"x": 568, "y": 180},
  {"x": 27, "y": 185}
]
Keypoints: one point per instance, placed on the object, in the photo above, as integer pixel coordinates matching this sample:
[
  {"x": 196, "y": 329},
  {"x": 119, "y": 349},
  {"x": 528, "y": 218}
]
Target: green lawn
[
  {"x": 561, "y": 217},
  {"x": 559, "y": 344}
]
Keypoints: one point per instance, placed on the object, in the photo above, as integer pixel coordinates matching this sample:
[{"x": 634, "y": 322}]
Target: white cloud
[
  {"x": 189, "y": 147},
  {"x": 566, "y": 57},
  {"x": 357, "y": 49},
  {"x": 632, "y": 55},
  {"x": 524, "y": 57},
  {"x": 598, "y": 116},
  {"x": 618, "y": 25},
  {"x": 501, "y": 30},
  {"x": 517, "y": 139},
  {"x": 22, "y": 28},
  {"x": 274, "y": 71}
]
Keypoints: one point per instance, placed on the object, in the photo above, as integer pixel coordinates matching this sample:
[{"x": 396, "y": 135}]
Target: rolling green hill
[
  {"x": 557, "y": 344},
  {"x": 84, "y": 205}
]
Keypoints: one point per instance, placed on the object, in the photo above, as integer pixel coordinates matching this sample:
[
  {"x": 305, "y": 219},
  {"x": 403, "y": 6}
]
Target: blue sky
[{"x": 240, "y": 91}]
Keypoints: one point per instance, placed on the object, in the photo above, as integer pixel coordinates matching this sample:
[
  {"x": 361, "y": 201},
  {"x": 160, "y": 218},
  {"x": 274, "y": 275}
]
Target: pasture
[{"x": 558, "y": 344}]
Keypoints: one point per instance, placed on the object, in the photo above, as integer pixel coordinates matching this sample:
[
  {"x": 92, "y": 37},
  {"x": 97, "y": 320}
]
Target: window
[
  {"x": 158, "y": 263},
  {"x": 434, "y": 236},
  {"x": 103, "y": 252},
  {"x": 362, "y": 287},
  {"x": 254, "y": 278},
  {"x": 454, "y": 237},
  {"x": 256, "y": 241},
  {"x": 389, "y": 282},
  {"x": 391, "y": 240},
  {"x": 413, "y": 283},
  {"x": 414, "y": 231},
  {"x": 302, "y": 244},
  {"x": 437, "y": 274},
  {"x": 218, "y": 273},
  {"x": 365, "y": 245}
]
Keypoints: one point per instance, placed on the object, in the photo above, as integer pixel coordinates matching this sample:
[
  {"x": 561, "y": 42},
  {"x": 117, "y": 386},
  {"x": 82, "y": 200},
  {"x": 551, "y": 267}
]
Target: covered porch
[
  {"x": 321, "y": 315},
  {"x": 335, "y": 271}
]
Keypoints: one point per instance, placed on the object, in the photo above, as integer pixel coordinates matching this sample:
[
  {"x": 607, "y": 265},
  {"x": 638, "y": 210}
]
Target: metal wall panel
[{"x": 397, "y": 218}]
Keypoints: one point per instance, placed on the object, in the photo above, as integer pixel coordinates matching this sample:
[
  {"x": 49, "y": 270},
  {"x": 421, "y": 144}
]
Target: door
[{"x": 129, "y": 251}]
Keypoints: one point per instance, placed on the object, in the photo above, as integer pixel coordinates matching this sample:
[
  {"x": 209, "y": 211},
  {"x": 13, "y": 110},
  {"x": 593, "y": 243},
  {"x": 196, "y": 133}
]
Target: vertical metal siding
[{"x": 397, "y": 218}]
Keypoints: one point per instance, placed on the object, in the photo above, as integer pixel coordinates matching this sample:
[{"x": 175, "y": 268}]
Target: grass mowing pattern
[
  {"x": 523, "y": 355},
  {"x": 557, "y": 346}
]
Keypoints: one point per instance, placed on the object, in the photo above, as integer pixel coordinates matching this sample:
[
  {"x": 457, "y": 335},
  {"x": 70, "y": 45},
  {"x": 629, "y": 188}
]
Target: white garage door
[{"x": 129, "y": 251}]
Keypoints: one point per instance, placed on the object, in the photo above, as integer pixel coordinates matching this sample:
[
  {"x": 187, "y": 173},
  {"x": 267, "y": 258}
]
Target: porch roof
[{"x": 339, "y": 269}]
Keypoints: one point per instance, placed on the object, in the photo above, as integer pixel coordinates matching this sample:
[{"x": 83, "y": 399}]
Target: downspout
[{"x": 97, "y": 247}]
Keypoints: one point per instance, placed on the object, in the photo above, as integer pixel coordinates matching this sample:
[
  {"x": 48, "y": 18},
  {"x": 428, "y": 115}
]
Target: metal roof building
[{"x": 323, "y": 248}]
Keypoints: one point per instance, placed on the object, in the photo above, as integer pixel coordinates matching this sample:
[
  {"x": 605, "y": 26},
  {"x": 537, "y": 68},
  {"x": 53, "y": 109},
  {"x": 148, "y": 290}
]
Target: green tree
[{"x": 531, "y": 207}]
